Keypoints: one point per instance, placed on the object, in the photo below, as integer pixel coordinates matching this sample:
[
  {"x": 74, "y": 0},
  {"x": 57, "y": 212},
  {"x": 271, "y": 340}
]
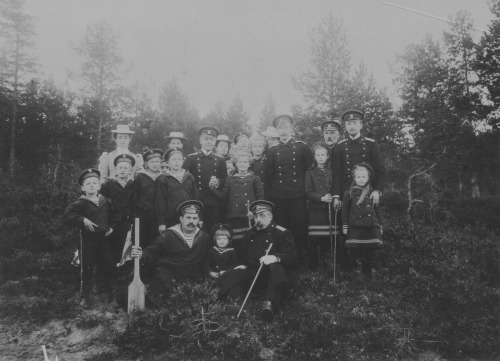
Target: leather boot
[
  {"x": 267, "y": 313},
  {"x": 85, "y": 302}
]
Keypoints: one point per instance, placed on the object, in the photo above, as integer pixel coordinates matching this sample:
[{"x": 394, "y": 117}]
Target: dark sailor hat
[
  {"x": 124, "y": 158},
  {"x": 192, "y": 207},
  {"x": 88, "y": 173},
  {"x": 260, "y": 206},
  {"x": 352, "y": 115},
  {"x": 152, "y": 153},
  {"x": 331, "y": 124},
  {"x": 172, "y": 151},
  {"x": 214, "y": 132},
  {"x": 240, "y": 135},
  {"x": 282, "y": 118},
  {"x": 219, "y": 226}
]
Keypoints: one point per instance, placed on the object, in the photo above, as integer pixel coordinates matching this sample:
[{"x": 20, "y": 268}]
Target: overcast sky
[{"x": 219, "y": 48}]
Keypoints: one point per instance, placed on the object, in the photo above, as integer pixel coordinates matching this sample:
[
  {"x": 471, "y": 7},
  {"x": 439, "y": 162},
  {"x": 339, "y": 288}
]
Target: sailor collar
[{"x": 100, "y": 200}]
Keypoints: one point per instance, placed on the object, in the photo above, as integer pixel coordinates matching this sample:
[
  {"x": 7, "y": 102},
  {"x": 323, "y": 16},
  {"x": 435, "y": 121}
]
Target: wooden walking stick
[
  {"x": 136, "y": 290},
  {"x": 253, "y": 283},
  {"x": 335, "y": 251}
]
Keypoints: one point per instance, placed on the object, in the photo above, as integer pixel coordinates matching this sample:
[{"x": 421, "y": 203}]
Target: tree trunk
[{"x": 13, "y": 130}]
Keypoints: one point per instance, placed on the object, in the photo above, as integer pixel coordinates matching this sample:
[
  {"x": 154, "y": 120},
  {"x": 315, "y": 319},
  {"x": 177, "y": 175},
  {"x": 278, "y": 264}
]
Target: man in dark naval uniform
[
  {"x": 279, "y": 271},
  {"x": 351, "y": 151},
  {"x": 209, "y": 171},
  {"x": 285, "y": 169},
  {"x": 331, "y": 132}
]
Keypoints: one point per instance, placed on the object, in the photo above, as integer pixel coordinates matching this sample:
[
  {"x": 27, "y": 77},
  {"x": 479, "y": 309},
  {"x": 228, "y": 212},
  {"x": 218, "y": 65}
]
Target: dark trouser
[
  {"x": 268, "y": 280},
  {"x": 117, "y": 240},
  {"x": 292, "y": 215},
  {"x": 319, "y": 247},
  {"x": 367, "y": 257},
  {"x": 95, "y": 250},
  {"x": 211, "y": 216}
]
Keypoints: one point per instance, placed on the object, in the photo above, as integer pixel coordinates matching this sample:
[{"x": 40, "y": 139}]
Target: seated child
[
  {"x": 361, "y": 220},
  {"x": 239, "y": 190},
  {"x": 96, "y": 216},
  {"x": 221, "y": 256}
]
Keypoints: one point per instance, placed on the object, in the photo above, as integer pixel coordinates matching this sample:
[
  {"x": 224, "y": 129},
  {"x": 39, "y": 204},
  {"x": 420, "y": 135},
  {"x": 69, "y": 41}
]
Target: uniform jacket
[
  {"x": 318, "y": 183},
  {"x": 258, "y": 167},
  {"x": 107, "y": 167},
  {"x": 121, "y": 196},
  {"x": 105, "y": 214},
  {"x": 203, "y": 167},
  {"x": 238, "y": 192},
  {"x": 347, "y": 153},
  {"x": 256, "y": 242},
  {"x": 285, "y": 170},
  {"x": 363, "y": 215},
  {"x": 217, "y": 261},
  {"x": 146, "y": 190},
  {"x": 170, "y": 250},
  {"x": 171, "y": 193}
]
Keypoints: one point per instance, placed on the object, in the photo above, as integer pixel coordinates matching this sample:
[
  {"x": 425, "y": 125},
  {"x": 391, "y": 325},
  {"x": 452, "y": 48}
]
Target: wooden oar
[{"x": 136, "y": 290}]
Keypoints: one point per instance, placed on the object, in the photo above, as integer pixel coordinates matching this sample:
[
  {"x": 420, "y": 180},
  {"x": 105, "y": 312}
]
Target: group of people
[{"x": 266, "y": 202}]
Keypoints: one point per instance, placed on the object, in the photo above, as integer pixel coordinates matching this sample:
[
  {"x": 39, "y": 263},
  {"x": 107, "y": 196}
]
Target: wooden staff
[
  {"x": 136, "y": 290},
  {"x": 253, "y": 283}
]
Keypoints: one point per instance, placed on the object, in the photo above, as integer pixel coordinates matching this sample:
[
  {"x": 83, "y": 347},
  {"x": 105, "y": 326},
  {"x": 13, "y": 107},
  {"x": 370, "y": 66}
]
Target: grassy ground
[{"x": 435, "y": 296}]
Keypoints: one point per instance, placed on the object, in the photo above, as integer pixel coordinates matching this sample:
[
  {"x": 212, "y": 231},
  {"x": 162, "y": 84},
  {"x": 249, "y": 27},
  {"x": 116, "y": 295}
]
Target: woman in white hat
[{"x": 122, "y": 136}]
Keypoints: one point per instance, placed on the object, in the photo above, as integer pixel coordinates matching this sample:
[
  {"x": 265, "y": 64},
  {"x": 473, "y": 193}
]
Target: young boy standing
[
  {"x": 176, "y": 186},
  {"x": 145, "y": 189},
  {"x": 120, "y": 189},
  {"x": 96, "y": 216},
  {"x": 239, "y": 190},
  {"x": 258, "y": 146}
]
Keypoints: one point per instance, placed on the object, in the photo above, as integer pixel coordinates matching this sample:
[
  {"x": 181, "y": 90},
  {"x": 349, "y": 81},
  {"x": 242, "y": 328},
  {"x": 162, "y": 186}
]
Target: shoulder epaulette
[
  {"x": 300, "y": 141},
  {"x": 280, "y": 228},
  {"x": 370, "y": 139},
  {"x": 192, "y": 154},
  {"x": 342, "y": 141},
  {"x": 220, "y": 156}
]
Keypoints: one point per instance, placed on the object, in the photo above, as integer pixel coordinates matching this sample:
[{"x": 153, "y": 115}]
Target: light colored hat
[
  {"x": 271, "y": 132},
  {"x": 222, "y": 138},
  {"x": 122, "y": 129},
  {"x": 176, "y": 135}
]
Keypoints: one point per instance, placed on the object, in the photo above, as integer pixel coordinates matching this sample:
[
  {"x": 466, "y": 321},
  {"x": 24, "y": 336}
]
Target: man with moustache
[
  {"x": 279, "y": 271},
  {"x": 179, "y": 251},
  {"x": 331, "y": 132}
]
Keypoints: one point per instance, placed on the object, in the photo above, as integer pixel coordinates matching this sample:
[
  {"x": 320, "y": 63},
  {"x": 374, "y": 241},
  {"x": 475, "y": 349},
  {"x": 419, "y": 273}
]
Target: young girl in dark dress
[
  {"x": 361, "y": 220},
  {"x": 221, "y": 256}
]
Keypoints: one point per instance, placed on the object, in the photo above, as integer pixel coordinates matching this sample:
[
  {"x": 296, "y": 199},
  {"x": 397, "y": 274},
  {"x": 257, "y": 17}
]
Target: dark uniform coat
[
  {"x": 123, "y": 197},
  {"x": 285, "y": 169},
  {"x": 238, "y": 192},
  {"x": 175, "y": 259},
  {"x": 203, "y": 167},
  {"x": 146, "y": 190},
  {"x": 171, "y": 193},
  {"x": 349, "y": 152},
  {"x": 257, "y": 167},
  {"x": 105, "y": 214},
  {"x": 278, "y": 276}
]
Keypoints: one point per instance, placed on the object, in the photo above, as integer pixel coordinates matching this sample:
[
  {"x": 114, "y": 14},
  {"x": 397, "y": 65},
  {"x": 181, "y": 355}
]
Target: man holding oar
[
  {"x": 179, "y": 250},
  {"x": 279, "y": 263}
]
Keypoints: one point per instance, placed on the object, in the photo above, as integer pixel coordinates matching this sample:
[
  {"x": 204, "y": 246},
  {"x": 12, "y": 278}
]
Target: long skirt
[
  {"x": 319, "y": 224},
  {"x": 363, "y": 237},
  {"x": 239, "y": 226}
]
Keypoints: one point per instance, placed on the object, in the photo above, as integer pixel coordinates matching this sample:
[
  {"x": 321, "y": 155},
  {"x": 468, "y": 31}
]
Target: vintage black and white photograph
[{"x": 272, "y": 180}]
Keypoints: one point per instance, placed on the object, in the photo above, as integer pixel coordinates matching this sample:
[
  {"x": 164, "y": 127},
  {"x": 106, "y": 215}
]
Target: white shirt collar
[
  {"x": 356, "y": 137},
  {"x": 206, "y": 152}
]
